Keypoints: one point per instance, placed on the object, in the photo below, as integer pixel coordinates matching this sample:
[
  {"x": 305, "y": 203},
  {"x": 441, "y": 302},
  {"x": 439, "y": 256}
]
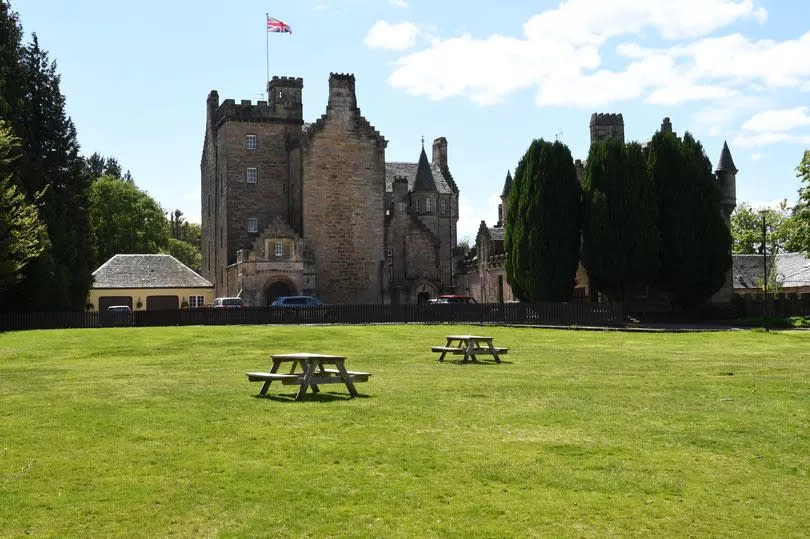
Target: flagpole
[{"x": 267, "y": 46}]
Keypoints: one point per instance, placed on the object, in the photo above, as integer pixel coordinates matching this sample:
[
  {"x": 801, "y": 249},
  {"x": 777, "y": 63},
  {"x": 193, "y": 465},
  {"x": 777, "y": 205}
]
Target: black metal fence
[{"x": 553, "y": 314}]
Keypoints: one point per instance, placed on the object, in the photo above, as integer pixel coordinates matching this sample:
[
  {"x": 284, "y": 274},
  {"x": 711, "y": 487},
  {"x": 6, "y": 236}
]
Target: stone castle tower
[{"x": 292, "y": 208}]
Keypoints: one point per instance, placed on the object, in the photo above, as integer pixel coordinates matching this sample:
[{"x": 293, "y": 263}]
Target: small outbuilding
[
  {"x": 792, "y": 273},
  {"x": 148, "y": 282}
]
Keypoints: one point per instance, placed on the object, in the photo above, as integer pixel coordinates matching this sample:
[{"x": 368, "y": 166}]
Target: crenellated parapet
[
  {"x": 284, "y": 104},
  {"x": 605, "y": 126}
]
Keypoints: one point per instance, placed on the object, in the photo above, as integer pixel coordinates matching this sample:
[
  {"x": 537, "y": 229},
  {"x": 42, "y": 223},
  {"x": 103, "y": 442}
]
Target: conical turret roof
[
  {"x": 507, "y": 185},
  {"x": 424, "y": 177},
  {"x": 726, "y": 163}
]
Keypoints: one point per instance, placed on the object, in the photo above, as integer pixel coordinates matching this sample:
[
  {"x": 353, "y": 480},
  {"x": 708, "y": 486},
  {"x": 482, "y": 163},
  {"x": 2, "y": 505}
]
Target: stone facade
[
  {"x": 292, "y": 208},
  {"x": 484, "y": 278}
]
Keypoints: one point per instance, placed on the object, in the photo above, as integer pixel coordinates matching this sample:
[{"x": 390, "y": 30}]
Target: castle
[
  {"x": 482, "y": 274},
  {"x": 294, "y": 208}
]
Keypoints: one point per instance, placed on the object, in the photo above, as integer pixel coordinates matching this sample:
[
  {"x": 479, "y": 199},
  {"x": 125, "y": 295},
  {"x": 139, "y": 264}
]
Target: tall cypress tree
[
  {"x": 695, "y": 238},
  {"x": 543, "y": 224},
  {"x": 620, "y": 242}
]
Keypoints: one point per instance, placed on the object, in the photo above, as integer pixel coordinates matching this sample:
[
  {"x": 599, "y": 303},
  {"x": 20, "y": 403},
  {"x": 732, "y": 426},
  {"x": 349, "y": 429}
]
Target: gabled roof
[
  {"x": 147, "y": 271},
  {"x": 424, "y": 175},
  {"x": 408, "y": 170},
  {"x": 792, "y": 269},
  {"x": 726, "y": 163},
  {"x": 507, "y": 185}
]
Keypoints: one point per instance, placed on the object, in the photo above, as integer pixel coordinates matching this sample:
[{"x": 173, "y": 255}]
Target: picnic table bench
[
  {"x": 470, "y": 346},
  {"x": 312, "y": 374}
]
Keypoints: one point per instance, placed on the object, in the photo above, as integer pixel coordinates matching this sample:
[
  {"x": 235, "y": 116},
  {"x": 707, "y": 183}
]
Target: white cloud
[
  {"x": 758, "y": 156},
  {"x": 384, "y": 35},
  {"x": 399, "y": 3},
  {"x": 320, "y": 6},
  {"x": 560, "y": 55},
  {"x": 467, "y": 226},
  {"x": 780, "y": 120},
  {"x": 767, "y": 138}
]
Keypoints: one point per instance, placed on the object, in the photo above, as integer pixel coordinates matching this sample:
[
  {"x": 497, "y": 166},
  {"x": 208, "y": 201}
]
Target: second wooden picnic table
[{"x": 470, "y": 346}]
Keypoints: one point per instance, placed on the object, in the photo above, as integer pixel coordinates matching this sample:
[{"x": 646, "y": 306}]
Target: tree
[
  {"x": 695, "y": 239},
  {"x": 125, "y": 220},
  {"x": 50, "y": 171},
  {"x": 23, "y": 237},
  {"x": 746, "y": 229},
  {"x": 185, "y": 252},
  {"x": 620, "y": 242},
  {"x": 543, "y": 224},
  {"x": 801, "y": 214}
]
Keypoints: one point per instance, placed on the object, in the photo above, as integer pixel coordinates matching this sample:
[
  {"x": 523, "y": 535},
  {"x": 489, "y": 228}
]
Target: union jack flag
[{"x": 275, "y": 25}]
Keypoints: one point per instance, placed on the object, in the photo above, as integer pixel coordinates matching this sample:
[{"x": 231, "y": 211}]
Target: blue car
[{"x": 297, "y": 301}]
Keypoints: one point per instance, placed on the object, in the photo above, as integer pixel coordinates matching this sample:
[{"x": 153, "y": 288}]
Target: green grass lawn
[{"x": 156, "y": 431}]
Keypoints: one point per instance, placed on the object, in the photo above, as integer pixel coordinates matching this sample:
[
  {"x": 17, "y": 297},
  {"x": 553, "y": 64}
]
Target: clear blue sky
[{"x": 488, "y": 76}]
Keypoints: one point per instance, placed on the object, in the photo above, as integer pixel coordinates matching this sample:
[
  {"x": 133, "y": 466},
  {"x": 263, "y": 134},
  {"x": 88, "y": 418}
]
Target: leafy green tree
[
  {"x": 23, "y": 237},
  {"x": 125, "y": 220},
  {"x": 746, "y": 229},
  {"x": 620, "y": 242},
  {"x": 695, "y": 239},
  {"x": 185, "y": 252},
  {"x": 800, "y": 221},
  {"x": 12, "y": 72},
  {"x": 543, "y": 224}
]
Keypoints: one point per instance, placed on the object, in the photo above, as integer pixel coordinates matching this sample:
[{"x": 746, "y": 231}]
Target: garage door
[
  {"x": 161, "y": 303},
  {"x": 108, "y": 301}
]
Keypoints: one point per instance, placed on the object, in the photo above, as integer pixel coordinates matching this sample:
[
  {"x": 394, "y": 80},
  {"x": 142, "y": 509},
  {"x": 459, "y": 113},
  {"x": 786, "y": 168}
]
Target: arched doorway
[
  {"x": 422, "y": 297},
  {"x": 276, "y": 289}
]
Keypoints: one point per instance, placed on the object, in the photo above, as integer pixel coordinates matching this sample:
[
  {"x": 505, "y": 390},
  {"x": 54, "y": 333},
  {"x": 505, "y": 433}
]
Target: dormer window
[
  {"x": 279, "y": 248},
  {"x": 250, "y": 142}
]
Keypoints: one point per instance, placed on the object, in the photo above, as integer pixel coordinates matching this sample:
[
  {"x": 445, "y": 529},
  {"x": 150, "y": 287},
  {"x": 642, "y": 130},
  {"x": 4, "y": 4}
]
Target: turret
[
  {"x": 504, "y": 205},
  {"x": 726, "y": 174},
  {"x": 605, "y": 126},
  {"x": 284, "y": 95}
]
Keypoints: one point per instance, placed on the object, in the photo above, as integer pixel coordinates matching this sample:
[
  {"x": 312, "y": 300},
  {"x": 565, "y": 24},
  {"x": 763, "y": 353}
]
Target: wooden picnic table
[
  {"x": 470, "y": 346},
  {"x": 312, "y": 373}
]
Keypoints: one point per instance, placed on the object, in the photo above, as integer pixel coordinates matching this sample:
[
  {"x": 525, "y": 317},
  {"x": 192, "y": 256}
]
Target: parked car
[
  {"x": 303, "y": 309},
  {"x": 453, "y": 298},
  {"x": 117, "y": 315},
  {"x": 297, "y": 301},
  {"x": 228, "y": 303}
]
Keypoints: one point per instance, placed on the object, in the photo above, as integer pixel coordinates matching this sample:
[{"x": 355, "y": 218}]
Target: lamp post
[{"x": 764, "y": 214}]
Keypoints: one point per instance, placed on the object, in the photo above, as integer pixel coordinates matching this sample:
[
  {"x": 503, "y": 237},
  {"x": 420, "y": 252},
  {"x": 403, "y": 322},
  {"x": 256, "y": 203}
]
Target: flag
[{"x": 275, "y": 25}]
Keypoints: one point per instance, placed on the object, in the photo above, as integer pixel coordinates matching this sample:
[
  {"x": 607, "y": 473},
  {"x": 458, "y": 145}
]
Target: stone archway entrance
[{"x": 276, "y": 289}]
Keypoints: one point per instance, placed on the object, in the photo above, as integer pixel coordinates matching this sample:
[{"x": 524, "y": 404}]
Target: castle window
[
  {"x": 279, "y": 248},
  {"x": 443, "y": 206},
  {"x": 418, "y": 205},
  {"x": 427, "y": 205},
  {"x": 389, "y": 253},
  {"x": 252, "y": 224},
  {"x": 250, "y": 142},
  {"x": 251, "y": 175},
  {"x": 390, "y": 274}
]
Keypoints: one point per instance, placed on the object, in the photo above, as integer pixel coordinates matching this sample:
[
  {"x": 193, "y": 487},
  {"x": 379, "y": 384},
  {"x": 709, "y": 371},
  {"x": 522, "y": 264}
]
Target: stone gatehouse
[{"x": 313, "y": 208}]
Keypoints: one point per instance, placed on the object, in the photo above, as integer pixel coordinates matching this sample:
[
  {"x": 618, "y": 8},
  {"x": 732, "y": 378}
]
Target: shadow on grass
[
  {"x": 310, "y": 397},
  {"x": 475, "y": 362}
]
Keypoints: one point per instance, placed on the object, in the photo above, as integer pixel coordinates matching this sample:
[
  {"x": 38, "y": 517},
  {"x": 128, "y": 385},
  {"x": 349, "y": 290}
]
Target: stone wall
[{"x": 342, "y": 199}]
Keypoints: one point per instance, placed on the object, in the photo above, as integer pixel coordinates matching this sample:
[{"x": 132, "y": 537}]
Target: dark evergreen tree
[
  {"x": 620, "y": 242},
  {"x": 50, "y": 165},
  {"x": 543, "y": 224},
  {"x": 12, "y": 72},
  {"x": 695, "y": 239}
]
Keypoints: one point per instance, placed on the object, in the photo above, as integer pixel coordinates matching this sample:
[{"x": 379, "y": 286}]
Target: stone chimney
[
  {"x": 341, "y": 92},
  {"x": 440, "y": 153}
]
